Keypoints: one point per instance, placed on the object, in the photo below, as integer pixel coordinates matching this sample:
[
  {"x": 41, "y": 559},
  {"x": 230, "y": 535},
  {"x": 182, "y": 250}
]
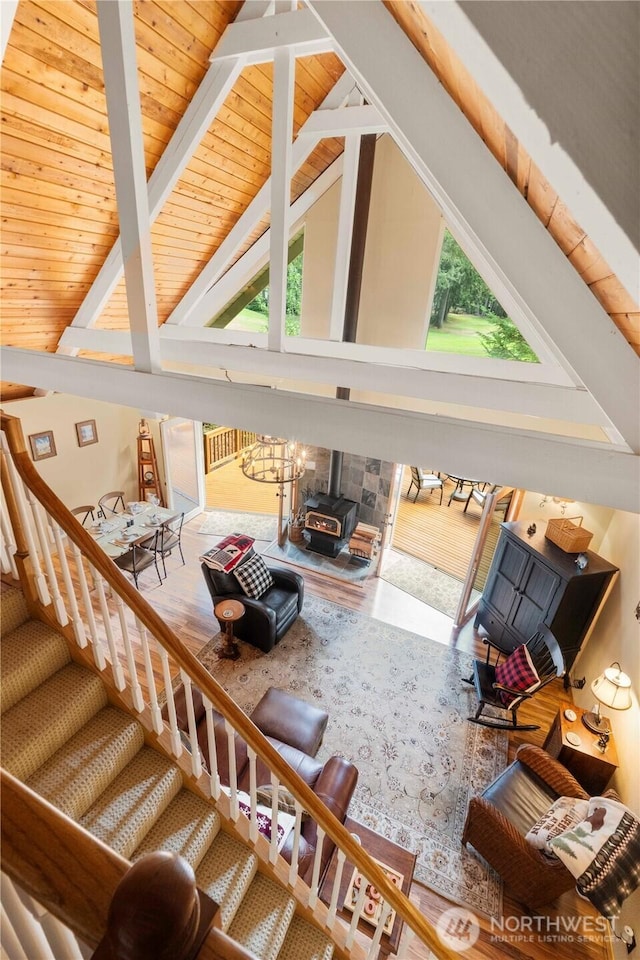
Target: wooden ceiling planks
[{"x": 512, "y": 156}]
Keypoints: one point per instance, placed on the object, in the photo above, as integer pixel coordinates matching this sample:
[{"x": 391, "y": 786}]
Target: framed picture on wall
[
  {"x": 87, "y": 433},
  {"x": 42, "y": 445}
]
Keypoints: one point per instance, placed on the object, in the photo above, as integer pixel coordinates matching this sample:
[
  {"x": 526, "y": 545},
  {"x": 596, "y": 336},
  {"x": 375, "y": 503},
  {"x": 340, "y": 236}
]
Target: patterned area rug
[
  {"x": 403, "y": 726},
  {"x": 260, "y": 526},
  {"x": 421, "y": 580}
]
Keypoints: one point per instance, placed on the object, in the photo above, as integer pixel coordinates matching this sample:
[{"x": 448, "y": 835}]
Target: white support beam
[
  {"x": 258, "y": 40},
  {"x": 350, "y": 164},
  {"x": 340, "y": 123},
  {"x": 281, "y": 142},
  {"x": 7, "y": 14},
  {"x": 188, "y": 310},
  {"x": 196, "y": 120},
  {"x": 236, "y": 351},
  {"x": 595, "y": 473},
  {"x": 117, "y": 35},
  {"x": 531, "y": 130},
  {"x": 516, "y": 255}
]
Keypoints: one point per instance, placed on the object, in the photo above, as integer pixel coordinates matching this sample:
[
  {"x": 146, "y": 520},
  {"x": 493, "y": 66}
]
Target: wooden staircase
[{"x": 64, "y": 740}]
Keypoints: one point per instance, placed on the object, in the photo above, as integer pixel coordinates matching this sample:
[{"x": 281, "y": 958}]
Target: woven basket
[{"x": 569, "y": 536}]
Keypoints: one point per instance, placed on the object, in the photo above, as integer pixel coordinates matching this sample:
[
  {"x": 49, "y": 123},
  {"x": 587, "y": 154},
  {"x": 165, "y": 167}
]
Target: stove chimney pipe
[{"x": 335, "y": 474}]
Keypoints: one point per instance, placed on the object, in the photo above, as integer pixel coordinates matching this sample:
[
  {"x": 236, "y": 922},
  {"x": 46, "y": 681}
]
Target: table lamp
[{"x": 613, "y": 688}]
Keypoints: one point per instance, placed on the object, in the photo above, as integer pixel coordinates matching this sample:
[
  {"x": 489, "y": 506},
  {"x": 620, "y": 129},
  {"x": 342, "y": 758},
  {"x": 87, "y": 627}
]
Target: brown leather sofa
[{"x": 295, "y": 728}]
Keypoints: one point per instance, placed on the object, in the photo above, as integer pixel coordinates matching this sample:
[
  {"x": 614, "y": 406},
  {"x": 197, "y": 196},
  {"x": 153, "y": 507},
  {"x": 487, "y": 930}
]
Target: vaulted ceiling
[{"x": 135, "y": 197}]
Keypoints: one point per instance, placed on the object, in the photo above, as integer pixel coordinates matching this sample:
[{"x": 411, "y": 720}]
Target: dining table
[{"x": 119, "y": 532}]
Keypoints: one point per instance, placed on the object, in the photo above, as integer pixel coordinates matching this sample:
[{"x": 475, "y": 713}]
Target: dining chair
[
  {"x": 110, "y": 502},
  {"x": 168, "y": 537},
  {"x": 85, "y": 512},
  {"x": 424, "y": 481},
  {"x": 479, "y": 495},
  {"x": 139, "y": 558}
]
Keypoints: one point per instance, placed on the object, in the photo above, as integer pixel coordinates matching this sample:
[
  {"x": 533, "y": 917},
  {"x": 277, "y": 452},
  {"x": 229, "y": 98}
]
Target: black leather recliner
[{"x": 267, "y": 619}]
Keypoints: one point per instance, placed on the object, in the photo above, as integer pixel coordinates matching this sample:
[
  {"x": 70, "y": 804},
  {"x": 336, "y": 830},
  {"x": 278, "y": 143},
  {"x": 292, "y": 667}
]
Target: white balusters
[
  {"x": 196, "y": 764},
  {"x": 62, "y": 941},
  {"x": 76, "y": 621},
  {"x": 297, "y": 827},
  {"x": 214, "y": 775},
  {"x": 26, "y": 928},
  {"x": 134, "y": 684},
  {"x": 357, "y": 910},
  {"x": 375, "y": 943},
  {"x": 174, "y": 731},
  {"x": 9, "y": 545},
  {"x": 405, "y": 942},
  {"x": 9, "y": 940},
  {"x": 96, "y": 645},
  {"x": 116, "y": 668},
  {"x": 156, "y": 713},
  {"x": 233, "y": 771},
  {"x": 45, "y": 552},
  {"x": 273, "y": 847},
  {"x": 18, "y": 489},
  {"x": 333, "y": 904},
  {"x": 253, "y": 794},
  {"x": 315, "y": 874}
]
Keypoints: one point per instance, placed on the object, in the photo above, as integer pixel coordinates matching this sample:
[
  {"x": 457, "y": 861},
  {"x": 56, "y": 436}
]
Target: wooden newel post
[{"x": 157, "y": 913}]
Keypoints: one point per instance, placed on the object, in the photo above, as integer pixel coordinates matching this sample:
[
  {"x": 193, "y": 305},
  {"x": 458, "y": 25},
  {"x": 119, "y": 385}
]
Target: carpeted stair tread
[
  {"x": 77, "y": 774},
  {"x": 13, "y": 609},
  {"x": 45, "y": 719},
  {"x": 263, "y": 918},
  {"x": 187, "y": 827},
  {"x": 305, "y": 942},
  {"x": 30, "y": 654},
  {"x": 225, "y": 874},
  {"x": 129, "y": 807}
]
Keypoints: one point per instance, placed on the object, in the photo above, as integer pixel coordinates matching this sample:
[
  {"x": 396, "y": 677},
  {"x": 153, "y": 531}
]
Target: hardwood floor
[{"x": 185, "y": 605}]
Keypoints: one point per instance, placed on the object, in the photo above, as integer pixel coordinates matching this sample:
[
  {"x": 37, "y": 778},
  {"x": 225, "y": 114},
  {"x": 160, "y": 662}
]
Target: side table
[
  {"x": 589, "y": 765},
  {"x": 394, "y": 856},
  {"x": 227, "y": 612}
]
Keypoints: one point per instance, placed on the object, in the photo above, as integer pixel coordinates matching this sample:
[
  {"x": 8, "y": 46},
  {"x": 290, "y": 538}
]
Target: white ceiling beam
[
  {"x": 194, "y": 123},
  {"x": 284, "y": 67},
  {"x": 589, "y": 472},
  {"x": 556, "y": 164},
  {"x": 205, "y": 348},
  {"x": 184, "y": 312},
  {"x": 516, "y": 255},
  {"x": 117, "y": 35},
  {"x": 7, "y": 14},
  {"x": 350, "y": 164},
  {"x": 258, "y": 40},
  {"x": 340, "y": 123}
]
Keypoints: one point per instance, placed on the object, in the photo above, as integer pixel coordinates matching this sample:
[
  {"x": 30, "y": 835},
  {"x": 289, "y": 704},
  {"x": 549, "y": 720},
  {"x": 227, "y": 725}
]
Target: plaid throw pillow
[
  {"x": 517, "y": 672},
  {"x": 254, "y": 577},
  {"x": 228, "y": 553}
]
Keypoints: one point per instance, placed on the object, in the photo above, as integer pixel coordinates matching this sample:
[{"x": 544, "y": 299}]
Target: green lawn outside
[{"x": 459, "y": 334}]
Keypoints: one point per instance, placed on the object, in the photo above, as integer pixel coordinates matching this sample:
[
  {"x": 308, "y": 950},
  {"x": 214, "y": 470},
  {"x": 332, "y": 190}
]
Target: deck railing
[
  {"x": 224, "y": 443},
  {"x": 73, "y": 583}
]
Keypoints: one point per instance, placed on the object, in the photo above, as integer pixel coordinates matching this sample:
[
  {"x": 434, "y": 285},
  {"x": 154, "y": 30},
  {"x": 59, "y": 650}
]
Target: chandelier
[{"x": 272, "y": 460}]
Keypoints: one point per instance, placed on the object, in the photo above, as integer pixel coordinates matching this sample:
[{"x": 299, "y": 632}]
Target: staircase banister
[
  {"x": 214, "y": 692},
  {"x": 69, "y": 871}
]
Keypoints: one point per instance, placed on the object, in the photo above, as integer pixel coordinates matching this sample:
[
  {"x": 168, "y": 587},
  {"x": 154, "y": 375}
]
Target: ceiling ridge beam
[
  {"x": 117, "y": 34},
  {"x": 200, "y": 347},
  {"x": 499, "y": 231},
  {"x": 343, "y": 121},
  {"x": 587, "y": 471},
  {"x": 258, "y": 39}
]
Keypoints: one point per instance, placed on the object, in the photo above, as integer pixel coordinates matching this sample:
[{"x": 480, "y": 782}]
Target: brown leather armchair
[
  {"x": 295, "y": 729},
  {"x": 498, "y": 820}
]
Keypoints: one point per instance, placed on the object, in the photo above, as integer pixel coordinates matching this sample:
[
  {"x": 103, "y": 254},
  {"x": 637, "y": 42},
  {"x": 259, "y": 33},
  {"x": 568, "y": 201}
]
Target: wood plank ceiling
[{"x": 59, "y": 210}]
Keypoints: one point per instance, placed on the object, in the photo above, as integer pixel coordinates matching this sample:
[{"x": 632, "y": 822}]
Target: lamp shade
[{"x": 613, "y": 688}]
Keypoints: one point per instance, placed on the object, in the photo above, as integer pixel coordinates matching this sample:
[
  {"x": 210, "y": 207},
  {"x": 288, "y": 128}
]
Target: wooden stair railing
[
  {"x": 76, "y": 877},
  {"x": 192, "y": 671}
]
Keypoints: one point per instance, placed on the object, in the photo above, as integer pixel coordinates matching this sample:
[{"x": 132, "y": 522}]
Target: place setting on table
[{"x": 117, "y": 533}]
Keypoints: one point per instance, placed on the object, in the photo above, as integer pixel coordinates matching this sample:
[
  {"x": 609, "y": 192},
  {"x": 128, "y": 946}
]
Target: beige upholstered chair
[{"x": 424, "y": 481}]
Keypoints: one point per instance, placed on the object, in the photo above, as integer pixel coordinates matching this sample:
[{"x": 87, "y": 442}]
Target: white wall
[
  {"x": 594, "y": 518},
  {"x": 401, "y": 256},
  {"x": 80, "y": 475}
]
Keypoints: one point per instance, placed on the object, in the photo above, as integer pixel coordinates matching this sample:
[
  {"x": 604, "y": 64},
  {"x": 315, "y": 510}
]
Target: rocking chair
[{"x": 547, "y": 659}]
